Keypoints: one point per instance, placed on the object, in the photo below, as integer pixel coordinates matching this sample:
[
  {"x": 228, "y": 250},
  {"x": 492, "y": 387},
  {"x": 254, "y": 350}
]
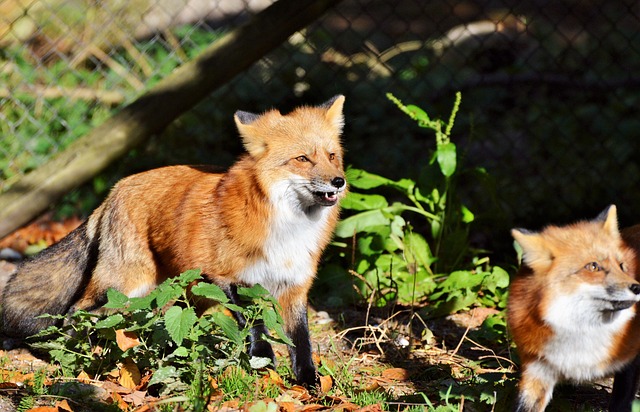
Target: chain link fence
[{"x": 550, "y": 90}]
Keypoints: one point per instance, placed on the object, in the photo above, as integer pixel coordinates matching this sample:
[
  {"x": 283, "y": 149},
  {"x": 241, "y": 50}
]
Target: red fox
[
  {"x": 572, "y": 309},
  {"x": 266, "y": 220}
]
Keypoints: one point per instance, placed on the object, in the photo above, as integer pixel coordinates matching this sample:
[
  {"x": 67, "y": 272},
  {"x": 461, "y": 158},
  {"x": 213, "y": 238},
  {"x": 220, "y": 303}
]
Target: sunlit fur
[
  {"x": 572, "y": 306},
  {"x": 266, "y": 220}
]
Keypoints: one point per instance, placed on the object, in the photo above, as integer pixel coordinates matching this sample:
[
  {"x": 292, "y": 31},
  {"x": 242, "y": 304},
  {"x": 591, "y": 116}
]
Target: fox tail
[{"x": 50, "y": 282}]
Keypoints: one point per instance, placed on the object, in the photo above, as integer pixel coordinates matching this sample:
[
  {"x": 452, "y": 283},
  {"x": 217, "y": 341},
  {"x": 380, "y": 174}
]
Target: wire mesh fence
[{"x": 550, "y": 89}]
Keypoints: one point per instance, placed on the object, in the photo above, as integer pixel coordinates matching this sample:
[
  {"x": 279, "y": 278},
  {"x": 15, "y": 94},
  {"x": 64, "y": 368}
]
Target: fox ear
[
  {"x": 334, "y": 111},
  {"x": 253, "y": 143},
  {"x": 609, "y": 217},
  {"x": 534, "y": 252}
]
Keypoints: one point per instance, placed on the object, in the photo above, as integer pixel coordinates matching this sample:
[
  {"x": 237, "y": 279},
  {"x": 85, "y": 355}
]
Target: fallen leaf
[
  {"x": 370, "y": 408},
  {"x": 325, "y": 383},
  {"x": 129, "y": 374},
  {"x": 44, "y": 409},
  {"x": 396, "y": 374},
  {"x": 273, "y": 377},
  {"x": 136, "y": 398},
  {"x": 126, "y": 340},
  {"x": 63, "y": 405},
  {"x": 117, "y": 399},
  {"x": 83, "y": 377}
]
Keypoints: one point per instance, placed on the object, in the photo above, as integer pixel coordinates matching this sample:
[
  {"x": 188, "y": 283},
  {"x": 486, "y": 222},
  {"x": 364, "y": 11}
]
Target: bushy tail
[{"x": 50, "y": 282}]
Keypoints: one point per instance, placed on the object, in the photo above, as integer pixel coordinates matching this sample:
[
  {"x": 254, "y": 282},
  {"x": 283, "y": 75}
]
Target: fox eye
[
  {"x": 332, "y": 156},
  {"x": 302, "y": 158},
  {"x": 623, "y": 266},
  {"x": 593, "y": 267}
]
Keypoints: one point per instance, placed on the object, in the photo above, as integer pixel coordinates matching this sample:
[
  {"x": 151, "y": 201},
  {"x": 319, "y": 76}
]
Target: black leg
[
  {"x": 625, "y": 387},
  {"x": 258, "y": 346},
  {"x": 301, "y": 358}
]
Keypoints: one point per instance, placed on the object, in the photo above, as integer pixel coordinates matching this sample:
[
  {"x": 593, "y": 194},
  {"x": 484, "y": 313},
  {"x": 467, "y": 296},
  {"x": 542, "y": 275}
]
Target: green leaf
[
  {"x": 467, "y": 215},
  {"x": 364, "y": 180},
  {"x": 418, "y": 114},
  {"x": 359, "y": 201},
  {"x": 163, "y": 374},
  {"x": 362, "y": 222},
  {"x": 273, "y": 321},
  {"x": 418, "y": 248},
  {"x": 446, "y": 155},
  {"x": 229, "y": 327},
  {"x": 185, "y": 278},
  {"x": 210, "y": 291},
  {"x": 116, "y": 299},
  {"x": 255, "y": 291},
  {"x": 178, "y": 322},
  {"x": 110, "y": 321}
]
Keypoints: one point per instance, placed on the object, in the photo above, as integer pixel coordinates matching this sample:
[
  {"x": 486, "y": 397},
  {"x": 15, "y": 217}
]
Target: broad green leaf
[
  {"x": 446, "y": 155},
  {"x": 167, "y": 292},
  {"x": 163, "y": 374},
  {"x": 116, "y": 299},
  {"x": 229, "y": 327},
  {"x": 255, "y": 291},
  {"x": 362, "y": 222},
  {"x": 210, "y": 291},
  {"x": 185, "y": 278},
  {"x": 359, "y": 201},
  {"x": 178, "y": 322},
  {"x": 418, "y": 248},
  {"x": 259, "y": 363},
  {"x": 273, "y": 321},
  {"x": 110, "y": 321},
  {"x": 144, "y": 302},
  {"x": 361, "y": 179}
]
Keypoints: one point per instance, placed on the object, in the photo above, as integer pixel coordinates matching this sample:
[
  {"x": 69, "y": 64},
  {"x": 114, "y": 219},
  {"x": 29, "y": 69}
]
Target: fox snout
[{"x": 327, "y": 194}]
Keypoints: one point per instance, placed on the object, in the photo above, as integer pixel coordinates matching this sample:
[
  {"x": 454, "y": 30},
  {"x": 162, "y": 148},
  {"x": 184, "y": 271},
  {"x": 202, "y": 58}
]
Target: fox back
[
  {"x": 266, "y": 220},
  {"x": 572, "y": 306}
]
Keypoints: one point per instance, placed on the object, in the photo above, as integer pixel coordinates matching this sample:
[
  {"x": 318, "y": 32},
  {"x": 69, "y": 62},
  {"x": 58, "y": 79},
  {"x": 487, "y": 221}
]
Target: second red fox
[
  {"x": 267, "y": 220},
  {"x": 573, "y": 310}
]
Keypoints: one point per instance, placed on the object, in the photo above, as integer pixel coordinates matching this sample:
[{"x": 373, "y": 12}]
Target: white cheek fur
[
  {"x": 583, "y": 334},
  {"x": 292, "y": 244}
]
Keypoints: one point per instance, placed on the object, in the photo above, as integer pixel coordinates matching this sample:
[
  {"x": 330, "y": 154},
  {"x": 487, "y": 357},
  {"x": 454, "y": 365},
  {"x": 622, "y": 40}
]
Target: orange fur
[
  {"x": 572, "y": 306},
  {"x": 266, "y": 220}
]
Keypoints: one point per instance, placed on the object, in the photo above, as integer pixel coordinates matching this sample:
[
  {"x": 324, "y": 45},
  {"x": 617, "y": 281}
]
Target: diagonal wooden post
[{"x": 156, "y": 109}]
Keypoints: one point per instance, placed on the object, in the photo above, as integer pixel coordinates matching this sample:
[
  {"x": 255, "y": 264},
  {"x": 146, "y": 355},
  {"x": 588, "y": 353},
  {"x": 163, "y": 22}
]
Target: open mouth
[
  {"x": 326, "y": 198},
  {"x": 619, "y": 304}
]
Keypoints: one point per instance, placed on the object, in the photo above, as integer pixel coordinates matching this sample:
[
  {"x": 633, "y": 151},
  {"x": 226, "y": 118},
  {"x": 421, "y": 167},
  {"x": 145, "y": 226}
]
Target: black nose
[
  {"x": 635, "y": 288},
  {"x": 337, "y": 182}
]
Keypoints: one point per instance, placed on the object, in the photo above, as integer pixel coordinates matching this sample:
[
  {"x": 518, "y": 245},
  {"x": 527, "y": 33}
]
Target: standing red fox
[
  {"x": 266, "y": 220},
  {"x": 573, "y": 310}
]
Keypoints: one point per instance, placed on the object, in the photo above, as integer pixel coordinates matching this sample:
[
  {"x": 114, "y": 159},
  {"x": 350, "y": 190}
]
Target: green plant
[
  {"x": 179, "y": 349},
  {"x": 415, "y": 247}
]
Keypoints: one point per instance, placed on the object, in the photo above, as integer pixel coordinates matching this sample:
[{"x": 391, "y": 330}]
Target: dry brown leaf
[
  {"x": 136, "y": 398},
  {"x": 83, "y": 377},
  {"x": 325, "y": 383},
  {"x": 396, "y": 374},
  {"x": 130, "y": 376},
  {"x": 44, "y": 409},
  {"x": 312, "y": 407},
  {"x": 126, "y": 340},
  {"x": 273, "y": 377},
  {"x": 117, "y": 399},
  {"x": 370, "y": 408},
  {"x": 63, "y": 405},
  {"x": 143, "y": 408}
]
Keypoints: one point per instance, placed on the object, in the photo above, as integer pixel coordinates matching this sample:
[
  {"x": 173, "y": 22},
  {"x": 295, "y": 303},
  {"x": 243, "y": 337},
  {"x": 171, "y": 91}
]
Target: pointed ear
[
  {"x": 534, "y": 252},
  {"x": 334, "y": 111},
  {"x": 251, "y": 139},
  {"x": 609, "y": 217}
]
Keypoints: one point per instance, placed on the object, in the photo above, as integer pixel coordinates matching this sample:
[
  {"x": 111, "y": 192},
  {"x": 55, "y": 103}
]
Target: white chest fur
[
  {"x": 292, "y": 244},
  {"x": 583, "y": 337}
]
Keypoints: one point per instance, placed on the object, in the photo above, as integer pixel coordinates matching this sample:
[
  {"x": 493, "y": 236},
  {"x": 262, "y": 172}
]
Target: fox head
[
  {"x": 298, "y": 155},
  {"x": 585, "y": 267}
]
